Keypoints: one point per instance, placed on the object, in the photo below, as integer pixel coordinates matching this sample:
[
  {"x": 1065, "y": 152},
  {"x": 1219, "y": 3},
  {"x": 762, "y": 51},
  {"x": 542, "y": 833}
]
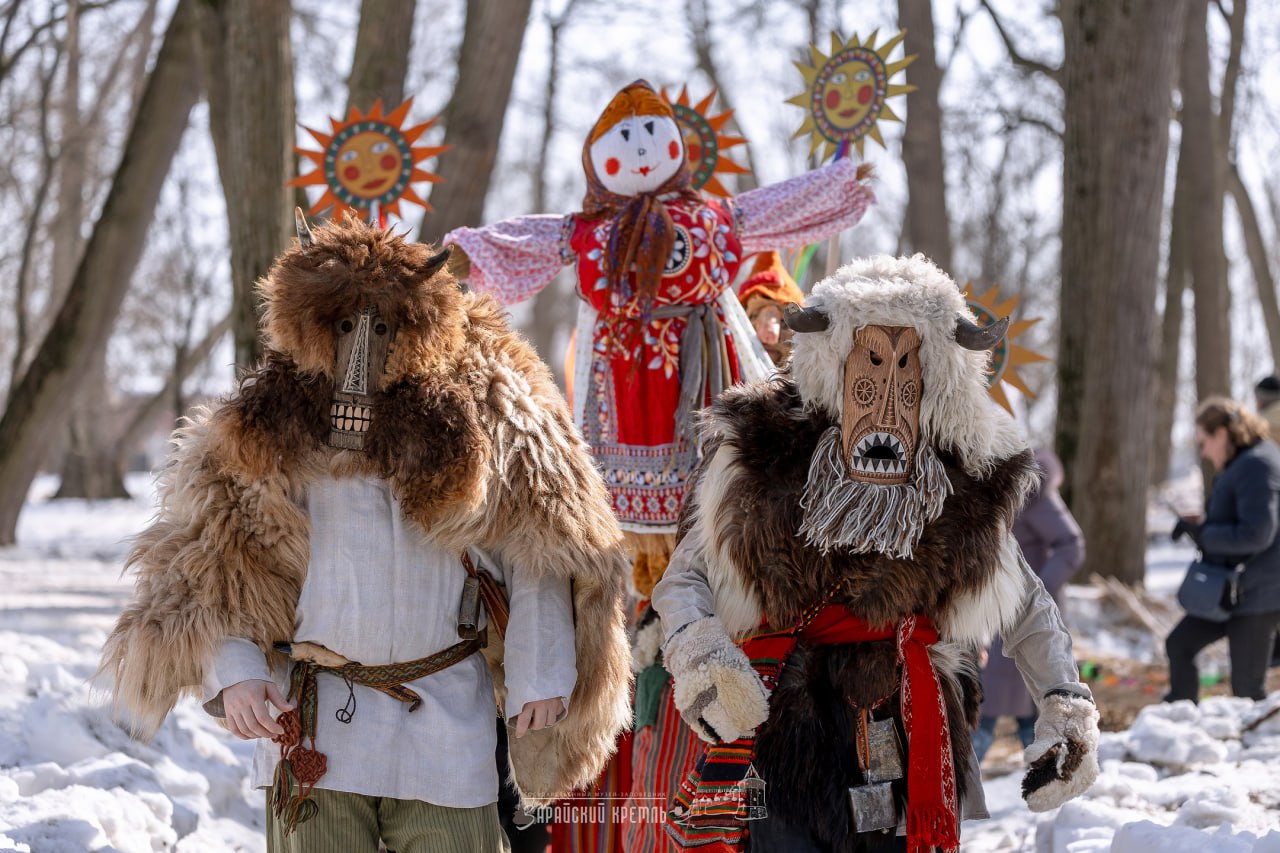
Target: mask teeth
[
  {"x": 886, "y": 466},
  {"x": 350, "y": 417},
  {"x": 878, "y": 466}
]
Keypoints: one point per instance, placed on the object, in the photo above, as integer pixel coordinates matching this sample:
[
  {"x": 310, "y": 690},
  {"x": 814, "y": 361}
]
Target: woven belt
[{"x": 304, "y": 765}]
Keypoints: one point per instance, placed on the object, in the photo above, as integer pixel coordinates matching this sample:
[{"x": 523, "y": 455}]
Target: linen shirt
[{"x": 379, "y": 591}]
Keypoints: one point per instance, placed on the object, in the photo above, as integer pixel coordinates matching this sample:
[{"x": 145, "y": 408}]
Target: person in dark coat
[
  {"x": 1054, "y": 547},
  {"x": 1240, "y": 525}
]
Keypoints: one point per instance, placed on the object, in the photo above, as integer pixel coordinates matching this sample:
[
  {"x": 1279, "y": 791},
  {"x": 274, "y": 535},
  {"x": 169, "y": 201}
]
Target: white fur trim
[
  {"x": 735, "y": 599},
  {"x": 1064, "y": 719},
  {"x": 955, "y": 410},
  {"x": 976, "y": 616},
  {"x": 645, "y": 647},
  {"x": 951, "y": 660}
]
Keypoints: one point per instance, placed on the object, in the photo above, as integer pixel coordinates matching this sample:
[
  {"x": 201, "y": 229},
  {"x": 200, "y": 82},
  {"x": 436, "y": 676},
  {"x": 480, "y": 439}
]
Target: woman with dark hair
[{"x": 1242, "y": 518}]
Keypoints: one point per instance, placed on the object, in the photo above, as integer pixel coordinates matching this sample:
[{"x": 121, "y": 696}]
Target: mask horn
[
  {"x": 304, "y": 232},
  {"x": 436, "y": 261},
  {"x": 800, "y": 319},
  {"x": 972, "y": 336}
]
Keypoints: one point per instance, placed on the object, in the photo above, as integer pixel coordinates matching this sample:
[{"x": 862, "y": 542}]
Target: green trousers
[{"x": 353, "y": 823}]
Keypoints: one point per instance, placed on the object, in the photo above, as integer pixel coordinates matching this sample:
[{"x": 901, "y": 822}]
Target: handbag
[{"x": 1209, "y": 590}]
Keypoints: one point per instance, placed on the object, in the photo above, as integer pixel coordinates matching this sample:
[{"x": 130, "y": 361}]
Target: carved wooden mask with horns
[{"x": 364, "y": 338}]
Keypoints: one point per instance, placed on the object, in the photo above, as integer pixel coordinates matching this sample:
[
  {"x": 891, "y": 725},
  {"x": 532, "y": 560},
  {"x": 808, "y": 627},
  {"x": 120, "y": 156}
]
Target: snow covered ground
[{"x": 1182, "y": 778}]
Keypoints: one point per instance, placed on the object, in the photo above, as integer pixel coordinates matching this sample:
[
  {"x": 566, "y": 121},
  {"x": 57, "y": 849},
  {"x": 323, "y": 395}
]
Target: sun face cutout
[
  {"x": 367, "y": 161},
  {"x": 847, "y": 93},
  {"x": 704, "y": 143},
  {"x": 638, "y": 154},
  {"x": 1007, "y": 357}
]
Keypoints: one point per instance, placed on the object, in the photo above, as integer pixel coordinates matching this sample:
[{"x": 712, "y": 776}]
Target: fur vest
[
  {"x": 478, "y": 447},
  {"x": 759, "y": 442}
]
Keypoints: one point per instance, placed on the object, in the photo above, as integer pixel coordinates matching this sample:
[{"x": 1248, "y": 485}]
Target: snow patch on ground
[{"x": 1182, "y": 778}]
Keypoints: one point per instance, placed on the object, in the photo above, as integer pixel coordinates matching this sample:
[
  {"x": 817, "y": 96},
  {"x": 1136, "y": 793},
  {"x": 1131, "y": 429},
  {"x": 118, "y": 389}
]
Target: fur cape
[
  {"x": 471, "y": 433},
  {"x": 759, "y": 441}
]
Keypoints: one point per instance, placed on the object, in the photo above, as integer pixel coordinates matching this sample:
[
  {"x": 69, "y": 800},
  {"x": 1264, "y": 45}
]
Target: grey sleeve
[
  {"x": 236, "y": 660},
  {"x": 540, "y": 657},
  {"x": 683, "y": 595},
  {"x": 1040, "y": 645}
]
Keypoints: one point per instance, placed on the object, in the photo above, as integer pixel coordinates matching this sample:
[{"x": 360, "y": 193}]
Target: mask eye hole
[
  {"x": 648, "y": 125},
  {"x": 380, "y": 328},
  {"x": 346, "y": 326},
  {"x": 626, "y": 135},
  {"x": 902, "y": 362},
  {"x": 876, "y": 360}
]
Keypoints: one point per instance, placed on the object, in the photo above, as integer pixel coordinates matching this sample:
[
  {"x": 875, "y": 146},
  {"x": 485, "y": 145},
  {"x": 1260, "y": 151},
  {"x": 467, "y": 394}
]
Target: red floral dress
[{"x": 629, "y": 382}]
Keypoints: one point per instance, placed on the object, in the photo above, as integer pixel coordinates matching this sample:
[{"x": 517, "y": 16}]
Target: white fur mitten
[
  {"x": 716, "y": 691},
  {"x": 1062, "y": 763}
]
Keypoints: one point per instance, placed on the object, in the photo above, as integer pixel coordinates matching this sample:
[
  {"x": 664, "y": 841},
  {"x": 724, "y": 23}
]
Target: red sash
[{"x": 709, "y": 808}]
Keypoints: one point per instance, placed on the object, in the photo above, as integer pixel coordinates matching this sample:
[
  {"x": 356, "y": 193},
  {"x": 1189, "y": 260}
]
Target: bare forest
[{"x": 1113, "y": 165}]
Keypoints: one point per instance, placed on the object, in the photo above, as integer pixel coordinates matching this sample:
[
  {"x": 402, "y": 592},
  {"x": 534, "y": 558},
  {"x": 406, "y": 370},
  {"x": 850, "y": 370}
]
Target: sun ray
[
  {"x": 1008, "y": 356},
  {"x": 369, "y": 159},
  {"x": 704, "y": 144},
  {"x": 845, "y": 93}
]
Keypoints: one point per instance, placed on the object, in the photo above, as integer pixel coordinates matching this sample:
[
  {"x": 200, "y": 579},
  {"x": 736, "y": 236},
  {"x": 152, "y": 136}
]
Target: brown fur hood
[{"x": 479, "y": 448}]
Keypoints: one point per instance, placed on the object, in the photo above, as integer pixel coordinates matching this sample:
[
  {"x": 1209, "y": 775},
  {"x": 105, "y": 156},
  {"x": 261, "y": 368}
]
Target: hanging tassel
[{"x": 281, "y": 786}]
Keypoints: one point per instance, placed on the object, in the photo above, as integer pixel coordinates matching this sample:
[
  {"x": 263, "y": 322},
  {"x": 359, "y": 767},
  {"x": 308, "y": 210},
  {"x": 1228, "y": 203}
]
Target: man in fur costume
[
  {"x": 848, "y": 542},
  {"x": 324, "y": 535}
]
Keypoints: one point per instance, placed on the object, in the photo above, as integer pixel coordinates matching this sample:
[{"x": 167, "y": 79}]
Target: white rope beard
[{"x": 840, "y": 512}]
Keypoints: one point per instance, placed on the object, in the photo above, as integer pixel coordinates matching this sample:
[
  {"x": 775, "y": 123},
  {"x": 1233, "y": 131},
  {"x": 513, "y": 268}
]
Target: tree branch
[
  {"x": 700, "y": 34},
  {"x": 1024, "y": 62},
  {"x": 185, "y": 361}
]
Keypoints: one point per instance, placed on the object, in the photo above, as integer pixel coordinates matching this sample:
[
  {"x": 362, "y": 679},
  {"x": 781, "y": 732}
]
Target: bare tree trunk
[
  {"x": 700, "y": 29},
  {"x": 1256, "y": 247},
  {"x": 65, "y": 229},
  {"x": 381, "y": 59},
  {"x": 928, "y": 229},
  {"x": 551, "y": 306},
  {"x": 1119, "y": 61},
  {"x": 249, "y": 72},
  {"x": 88, "y": 468},
  {"x": 473, "y": 120},
  {"x": 22, "y": 293},
  {"x": 1170, "y": 355},
  {"x": 1202, "y": 146},
  {"x": 82, "y": 327}
]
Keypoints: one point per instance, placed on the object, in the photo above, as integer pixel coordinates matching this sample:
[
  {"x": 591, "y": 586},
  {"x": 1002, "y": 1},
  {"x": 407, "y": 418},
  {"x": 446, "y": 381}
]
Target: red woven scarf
[{"x": 708, "y": 811}]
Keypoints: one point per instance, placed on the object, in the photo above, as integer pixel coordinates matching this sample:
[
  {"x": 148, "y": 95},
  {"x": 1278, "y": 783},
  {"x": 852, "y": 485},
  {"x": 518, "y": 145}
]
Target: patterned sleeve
[
  {"x": 802, "y": 210},
  {"x": 513, "y": 259}
]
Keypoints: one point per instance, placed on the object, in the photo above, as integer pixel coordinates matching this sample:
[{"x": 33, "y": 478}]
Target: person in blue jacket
[{"x": 1241, "y": 520}]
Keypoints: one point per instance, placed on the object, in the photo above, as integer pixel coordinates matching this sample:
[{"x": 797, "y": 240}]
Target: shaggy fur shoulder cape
[
  {"x": 759, "y": 440},
  {"x": 480, "y": 450}
]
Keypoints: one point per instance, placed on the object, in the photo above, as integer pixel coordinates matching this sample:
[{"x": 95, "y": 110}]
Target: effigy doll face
[
  {"x": 638, "y": 154},
  {"x": 881, "y": 417}
]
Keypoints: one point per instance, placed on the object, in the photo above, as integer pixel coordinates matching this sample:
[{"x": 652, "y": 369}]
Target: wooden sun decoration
[
  {"x": 846, "y": 93},
  {"x": 704, "y": 144},
  {"x": 367, "y": 161},
  {"x": 1007, "y": 357}
]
